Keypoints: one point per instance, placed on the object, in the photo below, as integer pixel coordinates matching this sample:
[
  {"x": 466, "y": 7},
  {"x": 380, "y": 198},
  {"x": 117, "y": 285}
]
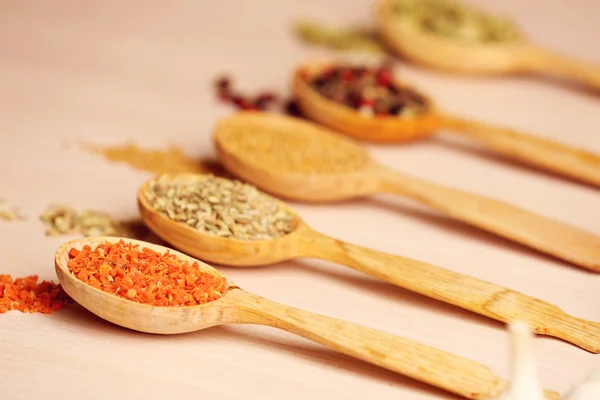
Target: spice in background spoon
[
  {"x": 144, "y": 275},
  {"x": 220, "y": 207},
  {"x": 287, "y": 148},
  {"x": 370, "y": 90},
  {"x": 458, "y": 20},
  {"x": 28, "y": 296},
  {"x": 342, "y": 39}
]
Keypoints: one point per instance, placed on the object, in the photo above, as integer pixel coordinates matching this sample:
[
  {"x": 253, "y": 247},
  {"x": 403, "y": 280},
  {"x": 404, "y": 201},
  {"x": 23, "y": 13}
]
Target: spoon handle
[
  {"x": 412, "y": 359},
  {"x": 469, "y": 293},
  {"x": 537, "y": 59},
  {"x": 547, "y": 235},
  {"x": 552, "y": 156}
]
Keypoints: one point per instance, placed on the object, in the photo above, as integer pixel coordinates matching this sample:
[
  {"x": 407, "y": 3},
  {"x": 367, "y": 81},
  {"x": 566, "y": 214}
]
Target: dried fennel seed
[
  {"x": 10, "y": 214},
  {"x": 311, "y": 150},
  {"x": 342, "y": 39},
  {"x": 458, "y": 20},
  {"x": 220, "y": 207},
  {"x": 64, "y": 220}
]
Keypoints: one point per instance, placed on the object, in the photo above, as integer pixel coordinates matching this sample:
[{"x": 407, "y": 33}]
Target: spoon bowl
[
  {"x": 448, "y": 54},
  {"x": 346, "y": 120},
  {"x": 519, "y": 56},
  {"x": 339, "y": 168},
  {"x": 415, "y": 360},
  {"x": 219, "y": 250},
  {"x": 133, "y": 315}
]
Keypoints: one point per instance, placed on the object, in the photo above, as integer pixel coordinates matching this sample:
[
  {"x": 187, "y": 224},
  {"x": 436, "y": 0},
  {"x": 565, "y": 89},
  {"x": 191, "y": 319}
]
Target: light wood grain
[
  {"x": 538, "y": 232},
  {"x": 441, "y": 369},
  {"x": 484, "y": 298},
  {"x": 551, "y": 156},
  {"x": 455, "y": 56},
  {"x": 541, "y": 153},
  {"x": 540, "y": 60}
]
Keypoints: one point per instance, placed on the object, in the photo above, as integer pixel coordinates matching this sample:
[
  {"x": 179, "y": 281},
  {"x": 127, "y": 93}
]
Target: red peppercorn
[
  {"x": 384, "y": 77},
  {"x": 346, "y": 75}
]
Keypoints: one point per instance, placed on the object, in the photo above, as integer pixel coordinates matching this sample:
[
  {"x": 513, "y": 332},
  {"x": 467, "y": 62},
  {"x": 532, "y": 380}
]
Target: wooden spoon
[
  {"x": 428, "y": 49},
  {"x": 481, "y": 297},
  {"x": 538, "y": 152},
  {"x": 412, "y": 359},
  {"x": 300, "y": 160}
]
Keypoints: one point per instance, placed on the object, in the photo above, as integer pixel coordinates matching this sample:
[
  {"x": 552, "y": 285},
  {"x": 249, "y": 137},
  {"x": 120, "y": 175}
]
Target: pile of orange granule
[
  {"x": 29, "y": 296},
  {"x": 145, "y": 276}
]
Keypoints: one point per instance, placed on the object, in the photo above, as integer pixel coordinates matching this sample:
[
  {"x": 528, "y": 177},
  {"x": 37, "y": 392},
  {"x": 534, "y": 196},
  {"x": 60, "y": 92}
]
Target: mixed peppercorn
[
  {"x": 262, "y": 101},
  {"x": 369, "y": 90}
]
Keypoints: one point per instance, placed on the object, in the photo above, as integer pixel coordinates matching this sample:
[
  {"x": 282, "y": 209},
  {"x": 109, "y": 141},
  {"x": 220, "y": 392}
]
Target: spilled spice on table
[
  {"x": 145, "y": 276},
  {"x": 170, "y": 160},
  {"x": 65, "y": 220},
  {"x": 264, "y": 100},
  {"x": 9, "y": 213},
  {"x": 30, "y": 296},
  {"x": 337, "y": 38}
]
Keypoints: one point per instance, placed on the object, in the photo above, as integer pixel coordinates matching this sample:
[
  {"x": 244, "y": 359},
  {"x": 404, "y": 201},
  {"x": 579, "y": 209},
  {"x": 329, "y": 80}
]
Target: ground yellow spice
[
  {"x": 289, "y": 144},
  {"x": 171, "y": 161},
  {"x": 145, "y": 276}
]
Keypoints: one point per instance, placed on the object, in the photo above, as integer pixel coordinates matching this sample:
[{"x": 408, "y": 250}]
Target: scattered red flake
[{"x": 29, "y": 296}]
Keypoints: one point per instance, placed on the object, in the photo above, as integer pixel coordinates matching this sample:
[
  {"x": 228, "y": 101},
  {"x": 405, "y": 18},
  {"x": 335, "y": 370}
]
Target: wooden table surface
[{"x": 113, "y": 72}]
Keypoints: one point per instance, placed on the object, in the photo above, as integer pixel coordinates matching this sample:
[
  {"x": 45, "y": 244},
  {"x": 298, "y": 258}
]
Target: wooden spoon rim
[{"x": 379, "y": 128}]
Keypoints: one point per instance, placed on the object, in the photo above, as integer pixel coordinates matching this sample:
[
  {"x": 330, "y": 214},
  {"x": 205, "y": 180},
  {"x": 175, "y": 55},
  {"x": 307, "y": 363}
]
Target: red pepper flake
[
  {"x": 226, "y": 93},
  {"x": 144, "y": 275},
  {"x": 263, "y": 101},
  {"x": 384, "y": 77},
  {"x": 28, "y": 296},
  {"x": 346, "y": 75}
]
